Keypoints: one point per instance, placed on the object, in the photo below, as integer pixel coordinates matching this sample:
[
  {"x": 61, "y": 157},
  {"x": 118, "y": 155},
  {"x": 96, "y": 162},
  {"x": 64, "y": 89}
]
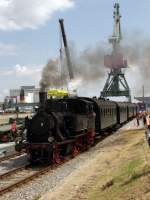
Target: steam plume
[
  {"x": 88, "y": 66},
  {"x": 137, "y": 51},
  {"x": 51, "y": 76}
]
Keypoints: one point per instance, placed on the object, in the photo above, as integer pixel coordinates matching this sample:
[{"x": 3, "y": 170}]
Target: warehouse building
[
  {"x": 31, "y": 94},
  {"x": 144, "y": 102},
  {"x": 30, "y": 97}
]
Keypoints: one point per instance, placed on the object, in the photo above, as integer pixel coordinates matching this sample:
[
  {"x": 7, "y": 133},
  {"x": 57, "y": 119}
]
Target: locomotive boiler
[{"x": 60, "y": 127}]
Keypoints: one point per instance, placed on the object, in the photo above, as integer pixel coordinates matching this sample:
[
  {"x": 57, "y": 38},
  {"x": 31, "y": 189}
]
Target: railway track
[
  {"x": 19, "y": 176},
  {"x": 11, "y": 156}
]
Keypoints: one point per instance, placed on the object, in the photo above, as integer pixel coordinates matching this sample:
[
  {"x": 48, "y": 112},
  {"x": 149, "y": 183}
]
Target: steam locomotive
[{"x": 70, "y": 125}]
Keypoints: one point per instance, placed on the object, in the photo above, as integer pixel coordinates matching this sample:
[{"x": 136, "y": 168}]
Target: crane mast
[
  {"x": 116, "y": 84},
  {"x": 69, "y": 64},
  {"x": 117, "y": 34}
]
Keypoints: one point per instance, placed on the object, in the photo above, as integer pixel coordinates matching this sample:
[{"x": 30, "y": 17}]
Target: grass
[
  {"x": 37, "y": 197},
  {"x": 122, "y": 181},
  {"x": 120, "y": 172},
  {"x": 129, "y": 177},
  {"x": 130, "y": 168}
]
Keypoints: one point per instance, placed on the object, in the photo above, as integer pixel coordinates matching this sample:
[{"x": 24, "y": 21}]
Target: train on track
[{"x": 70, "y": 125}]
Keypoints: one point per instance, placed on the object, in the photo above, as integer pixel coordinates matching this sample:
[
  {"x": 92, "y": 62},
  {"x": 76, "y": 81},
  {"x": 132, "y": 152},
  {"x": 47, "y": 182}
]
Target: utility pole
[{"x": 143, "y": 93}]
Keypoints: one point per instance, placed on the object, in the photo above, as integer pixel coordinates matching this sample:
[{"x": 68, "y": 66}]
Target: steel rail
[
  {"x": 11, "y": 156},
  {"x": 11, "y": 172},
  {"x": 29, "y": 177}
]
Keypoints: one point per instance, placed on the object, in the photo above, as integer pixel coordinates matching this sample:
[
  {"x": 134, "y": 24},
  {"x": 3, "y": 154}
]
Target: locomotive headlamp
[{"x": 50, "y": 139}]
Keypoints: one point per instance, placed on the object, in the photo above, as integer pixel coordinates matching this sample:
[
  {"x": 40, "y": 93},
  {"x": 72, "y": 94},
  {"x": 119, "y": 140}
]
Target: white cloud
[
  {"x": 19, "y": 75},
  {"x": 23, "y": 71},
  {"x": 31, "y": 71},
  {"x": 20, "y": 14}
]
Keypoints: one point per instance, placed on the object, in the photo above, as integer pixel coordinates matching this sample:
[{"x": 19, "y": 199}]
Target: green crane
[{"x": 116, "y": 84}]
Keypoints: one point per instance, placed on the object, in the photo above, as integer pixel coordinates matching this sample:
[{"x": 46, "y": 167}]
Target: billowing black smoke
[{"x": 89, "y": 65}]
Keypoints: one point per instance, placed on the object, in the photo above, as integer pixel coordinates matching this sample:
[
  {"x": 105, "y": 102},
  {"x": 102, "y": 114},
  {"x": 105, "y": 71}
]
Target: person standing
[
  {"x": 148, "y": 121},
  {"x": 137, "y": 119},
  {"x": 144, "y": 120},
  {"x": 148, "y": 130}
]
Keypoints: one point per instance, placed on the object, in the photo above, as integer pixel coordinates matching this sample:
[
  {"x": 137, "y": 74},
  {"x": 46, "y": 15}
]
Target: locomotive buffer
[{"x": 116, "y": 84}]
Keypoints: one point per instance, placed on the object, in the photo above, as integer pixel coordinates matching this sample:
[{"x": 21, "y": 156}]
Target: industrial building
[
  {"x": 145, "y": 101},
  {"x": 30, "y": 96}
]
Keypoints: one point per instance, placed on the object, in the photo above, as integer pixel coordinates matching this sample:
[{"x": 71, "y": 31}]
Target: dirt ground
[{"x": 120, "y": 169}]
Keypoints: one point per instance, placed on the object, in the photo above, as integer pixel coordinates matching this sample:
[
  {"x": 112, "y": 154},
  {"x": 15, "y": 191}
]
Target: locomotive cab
[{"x": 75, "y": 113}]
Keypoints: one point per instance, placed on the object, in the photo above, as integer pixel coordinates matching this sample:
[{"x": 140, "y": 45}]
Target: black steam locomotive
[{"x": 69, "y": 125}]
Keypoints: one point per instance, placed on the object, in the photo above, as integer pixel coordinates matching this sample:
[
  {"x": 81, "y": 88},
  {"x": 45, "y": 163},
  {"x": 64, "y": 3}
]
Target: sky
[{"x": 29, "y": 34}]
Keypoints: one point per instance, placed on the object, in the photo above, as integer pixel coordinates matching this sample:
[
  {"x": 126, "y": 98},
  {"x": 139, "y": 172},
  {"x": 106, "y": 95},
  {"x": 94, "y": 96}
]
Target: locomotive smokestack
[
  {"x": 42, "y": 97},
  {"x": 22, "y": 95}
]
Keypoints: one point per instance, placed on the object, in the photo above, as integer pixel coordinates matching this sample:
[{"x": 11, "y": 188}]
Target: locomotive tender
[{"x": 69, "y": 125}]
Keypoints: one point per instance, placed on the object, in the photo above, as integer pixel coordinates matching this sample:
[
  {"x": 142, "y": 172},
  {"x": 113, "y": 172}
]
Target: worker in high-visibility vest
[
  {"x": 148, "y": 130},
  {"x": 148, "y": 121},
  {"x": 14, "y": 126}
]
